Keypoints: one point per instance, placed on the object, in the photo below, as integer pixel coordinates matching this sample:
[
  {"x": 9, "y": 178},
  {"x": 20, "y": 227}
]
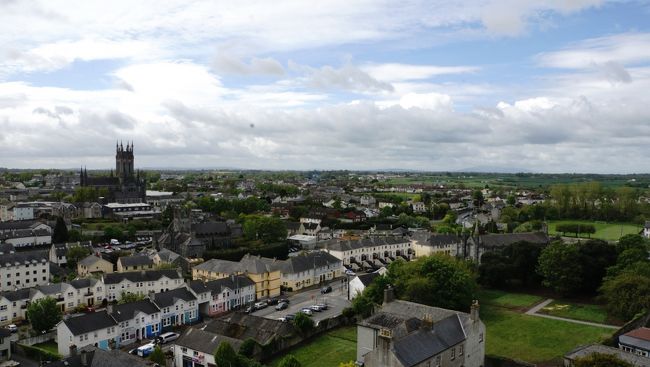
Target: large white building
[
  {"x": 141, "y": 282},
  {"x": 370, "y": 252},
  {"x": 22, "y": 269}
]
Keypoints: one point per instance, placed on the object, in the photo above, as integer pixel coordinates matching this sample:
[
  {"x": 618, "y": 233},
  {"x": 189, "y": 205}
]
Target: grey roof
[
  {"x": 213, "y": 227},
  {"x": 205, "y": 341},
  {"x": 366, "y": 279},
  {"x": 366, "y": 242},
  {"x": 141, "y": 276},
  {"x": 27, "y": 257},
  {"x": 218, "y": 285},
  {"x": 424, "y": 343},
  {"x": 586, "y": 350},
  {"x": 89, "y": 322},
  {"x": 310, "y": 226},
  {"x": 242, "y": 326},
  {"x": 169, "y": 298},
  {"x": 96, "y": 357},
  {"x": 18, "y": 295},
  {"x": 6, "y": 248},
  {"x": 248, "y": 263},
  {"x": 293, "y": 226},
  {"x": 127, "y": 311},
  {"x": 219, "y": 266},
  {"x": 638, "y": 338},
  {"x": 62, "y": 249},
  {"x": 441, "y": 240},
  {"x": 18, "y": 224},
  {"x": 135, "y": 260},
  {"x": 83, "y": 283},
  {"x": 89, "y": 260},
  {"x": 167, "y": 255},
  {"x": 52, "y": 289},
  {"x": 504, "y": 239},
  {"x": 308, "y": 261}
]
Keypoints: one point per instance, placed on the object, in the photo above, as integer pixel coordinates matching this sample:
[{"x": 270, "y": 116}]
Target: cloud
[
  {"x": 228, "y": 64},
  {"x": 395, "y": 72},
  {"x": 348, "y": 77}
]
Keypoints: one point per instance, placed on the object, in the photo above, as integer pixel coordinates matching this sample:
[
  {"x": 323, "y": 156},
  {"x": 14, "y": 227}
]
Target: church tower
[{"x": 124, "y": 162}]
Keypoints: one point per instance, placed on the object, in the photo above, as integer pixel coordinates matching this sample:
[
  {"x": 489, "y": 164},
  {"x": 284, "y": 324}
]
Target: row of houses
[{"x": 123, "y": 324}]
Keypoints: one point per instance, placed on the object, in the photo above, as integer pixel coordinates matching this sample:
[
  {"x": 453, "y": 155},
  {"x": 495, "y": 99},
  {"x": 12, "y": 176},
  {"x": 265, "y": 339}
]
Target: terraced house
[
  {"x": 98, "y": 329},
  {"x": 225, "y": 294},
  {"x": 22, "y": 269},
  {"x": 264, "y": 272},
  {"x": 370, "y": 253},
  {"x": 137, "y": 320},
  {"x": 309, "y": 269},
  {"x": 141, "y": 282},
  {"x": 134, "y": 263},
  {"x": 177, "y": 307}
]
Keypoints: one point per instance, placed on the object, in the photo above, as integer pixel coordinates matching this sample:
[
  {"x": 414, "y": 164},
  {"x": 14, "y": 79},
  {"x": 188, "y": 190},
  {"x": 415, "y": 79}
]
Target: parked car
[
  {"x": 349, "y": 272},
  {"x": 13, "y": 328},
  {"x": 289, "y": 316},
  {"x": 281, "y": 306},
  {"x": 326, "y": 289},
  {"x": 316, "y": 308},
  {"x": 285, "y": 300},
  {"x": 307, "y": 311},
  {"x": 260, "y": 305},
  {"x": 166, "y": 337},
  {"x": 323, "y": 306},
  {"x": 272, "y": 301},
  {"x": 249, "y": 309},
  {"x": 283, "y": 319}
]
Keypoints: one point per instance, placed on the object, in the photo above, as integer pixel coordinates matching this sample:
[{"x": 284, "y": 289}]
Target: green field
[
  {"x": 604, "y": 231},
  {"x": 507, "y": 300},
  {"x": 50, "y": 346},
  {"x": 327, "y": 350},
  {"x": 576, "y": 311},
  {"x": 534, "y": 339}
]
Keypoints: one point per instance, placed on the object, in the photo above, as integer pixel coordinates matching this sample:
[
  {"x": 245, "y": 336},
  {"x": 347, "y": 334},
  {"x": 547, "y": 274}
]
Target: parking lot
[{"x": 336, "y": 301}]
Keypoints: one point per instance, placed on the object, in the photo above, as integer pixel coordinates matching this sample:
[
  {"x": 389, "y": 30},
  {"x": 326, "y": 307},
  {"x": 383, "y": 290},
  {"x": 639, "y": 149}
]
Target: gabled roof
[
  {"x": 308, "y": 261},
  {"x": 425, "y": 343},
  {"x": 135, "y": 260},
  {"x": 242, "y": 326},
  {"x": 441, "y": 240},
  {"x": 366, "y": 279},
  {"x": 218, "y": 285},
  {"x": 141, "y": 276},
  {"x": 167, "y": 255},
  {"x": 89, "y": 322},
  {"x": 83, "y": 283},
  {"x": 127, "y": 311},
  {"x": 504, "y": 239},
  {"x": 22, "y": 258},
  {"x": 96, "y": 357},
  {"x": 169, "y": 298},
  {"x": 90, "y": 260},
  {"x": 366, "y": 242},
  {"x": 205, "y": 341},
  {"x": 213, "y": 227}
]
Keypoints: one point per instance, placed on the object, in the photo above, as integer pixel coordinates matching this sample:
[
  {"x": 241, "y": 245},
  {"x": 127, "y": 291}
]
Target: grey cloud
[
  {"x": 120, "y": 120},
  {"x": 348, "y": 77},
  {"x": 63, "y": 110},
  {"x": 228, "y": 64},
  {"x": 614, "y": 72}
]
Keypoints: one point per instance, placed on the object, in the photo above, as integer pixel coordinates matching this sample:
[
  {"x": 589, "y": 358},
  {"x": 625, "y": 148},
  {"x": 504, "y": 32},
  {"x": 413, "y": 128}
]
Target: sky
[{"x": 541, "y": 86}]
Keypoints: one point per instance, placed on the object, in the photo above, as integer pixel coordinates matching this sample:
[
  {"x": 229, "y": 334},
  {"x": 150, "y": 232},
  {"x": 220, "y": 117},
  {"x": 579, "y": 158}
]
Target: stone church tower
[{"x": 124, "y": 162}]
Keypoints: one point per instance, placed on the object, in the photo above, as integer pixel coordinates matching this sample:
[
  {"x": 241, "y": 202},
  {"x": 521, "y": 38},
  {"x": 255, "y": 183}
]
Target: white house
[
  {"x": 195, "y": 347},
  {"x": 141, "y": 282},
  {"x": 370, "y": 252},
  {"x": 308, "y": 269},
  {"x": 225, "y": 294},
  {"x": 97, "y": 328},
  {"x": 177, "y": 306},
  {"x": 136, "y": 320},
  {"x": 23, "y": 269}
]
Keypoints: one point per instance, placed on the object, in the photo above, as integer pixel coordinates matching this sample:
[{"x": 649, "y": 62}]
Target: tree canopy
[{"x": 43, "y": 314}]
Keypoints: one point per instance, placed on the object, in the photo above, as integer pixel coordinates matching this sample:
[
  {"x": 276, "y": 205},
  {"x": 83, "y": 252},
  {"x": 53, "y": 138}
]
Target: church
[{"x": 125, "y": 186}]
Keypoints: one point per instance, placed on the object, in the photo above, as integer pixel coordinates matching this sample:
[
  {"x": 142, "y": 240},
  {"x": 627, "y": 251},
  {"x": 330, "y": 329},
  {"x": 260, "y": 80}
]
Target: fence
[{"x": 38, "y": 339}]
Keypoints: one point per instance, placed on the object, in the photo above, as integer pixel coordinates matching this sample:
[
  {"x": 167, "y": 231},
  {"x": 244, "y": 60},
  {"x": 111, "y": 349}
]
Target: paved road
[
  {"x": 534, "y": 312},
  {"x": 336, "y": 301}
]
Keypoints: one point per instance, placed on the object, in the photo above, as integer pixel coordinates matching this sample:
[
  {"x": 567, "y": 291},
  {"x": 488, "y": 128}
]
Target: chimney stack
[
  {"x": 474, "y": 311},
  {"x": 84, "y": 358},
  {"x": 389, "y": 294}
]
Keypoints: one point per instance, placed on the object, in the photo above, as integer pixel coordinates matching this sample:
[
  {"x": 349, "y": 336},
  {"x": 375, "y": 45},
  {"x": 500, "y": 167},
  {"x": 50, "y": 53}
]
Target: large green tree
[
  {"x": 627, "y": 294},
  {"x": 158, "y": 356},
  {"x": 60, "y": 233},
  {"x": 559, "y": 265},
  {"x": 266, "y": 229},
  {"x": 43, "y": 314},
  {"x": 75, "y": 254},
  {"x": 225, "y": 355}
]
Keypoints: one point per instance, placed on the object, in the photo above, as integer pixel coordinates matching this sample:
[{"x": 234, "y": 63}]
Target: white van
[
  {"x": 167, "y": 337},
  {"x": 145, "y": 350}
]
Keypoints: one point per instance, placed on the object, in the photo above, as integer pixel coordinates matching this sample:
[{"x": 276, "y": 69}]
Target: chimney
[
  {"x": 109, "y": 308},
  {"x": 427, "y": 322},
  {"x": 389, "y": 295},
  {"x": 73, "y": 350},
  {"x": 84, "y": 358},
  {"x": 474, "y": 311}
]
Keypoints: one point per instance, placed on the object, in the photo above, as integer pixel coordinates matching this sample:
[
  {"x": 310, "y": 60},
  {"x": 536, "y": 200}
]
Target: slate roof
[
  {"x": 52, "y": 289},
  {"x": 89, "y": 260},
  {"x": 293, "y": 226},
  {"x": 6, "y": 248},
  {"x": 242, "y": 326},
  {"x": 22, "y": 258},
  {"x": 442, "y": 240},
  {"x": 127, "y": 311},
  {"x": 219, "y": 266},
  {"x": 83, "y": 283},
  {"x": 141, "y": 276},
  {"x": 205, "y": 341},
  {"x": 167, "y": 255},
  {"x": 89, "y": 322},
  {"x": 18, "y": 295},
  {"x": 218, "y": 285},
  {"x": 366, "y": 279},
  {"x": 18, "y": 224},
  {"x": 423, "y": 344},
  {"x": 169, "y": 298},
  {"x": 62, "y": 249},
  {"x": 639, "y": 338},
  {"x": 135, "y": 260},
  {"x": 366, "y": 242},
  {"x": 96, "y": 357},
  {"x": 504, "y": 239},
  {"x": 308, "y": 261},
  {"x": 212, "y": 227},
  {"x": 585, "y": 350}
]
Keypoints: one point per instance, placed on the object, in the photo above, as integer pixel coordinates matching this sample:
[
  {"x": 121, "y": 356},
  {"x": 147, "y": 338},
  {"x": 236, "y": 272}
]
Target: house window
[
  {"x": 480, "y": 337},
  {"x": 460, "y": 350},
  {"x": 453, "y": 353},
  {"x": 438, "y": 361}
]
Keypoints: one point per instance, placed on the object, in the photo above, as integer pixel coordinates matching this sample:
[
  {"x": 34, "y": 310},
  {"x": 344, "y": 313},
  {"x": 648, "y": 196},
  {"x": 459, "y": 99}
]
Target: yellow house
[
  {"x": 134, "y": 263},
  {"x": 263, "y": 271},
  {"x": 93, "y": 264},
  {"x": 447, "y": 244},
  {"x": 310, "y": 269}
]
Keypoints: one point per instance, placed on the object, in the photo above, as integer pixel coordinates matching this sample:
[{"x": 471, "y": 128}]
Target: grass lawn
[
  {"x": 604, "y": 231},
  {"x": 507, "y": 300},
  {"x": 534, "y": 339},
  {"x": 576, "y": 311},
  {"x": 50, "y": 346},
  {"x": 327, "y": 350}
]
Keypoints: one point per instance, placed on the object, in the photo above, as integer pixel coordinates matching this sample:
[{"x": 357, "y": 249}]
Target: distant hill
[{"x": 495, "y": 169}]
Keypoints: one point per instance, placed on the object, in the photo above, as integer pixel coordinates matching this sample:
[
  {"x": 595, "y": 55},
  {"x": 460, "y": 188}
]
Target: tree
[
  {"x": 225, "y": 356},
  {"x": 626, "y": 295},
  {"x": 303, "y": 323},
  {"x": 74, "y": 235},
  {"x": 437, "y": 280},
  {"x": 158, "y": 356},
  {"x": 559, "y": 265},
  {"x": 247, "y": 348},
  {"x": 600, "y": 360},
  {"x": 289, "y": 361},
  {"x": 128, "y": 297},
  {"x": 595, "y": 257},
  {"x": 631, "y": 241},
  {"x": 43, "y": 314},
  {"x": 60, "y": 233},
  {"x": 266, "y": 229},
  {"x": 75, "y": 254}
]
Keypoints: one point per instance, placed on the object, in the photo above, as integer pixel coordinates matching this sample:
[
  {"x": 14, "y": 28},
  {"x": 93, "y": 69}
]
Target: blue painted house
[
  {"x": 98, "y": 329},
  {"x": 137, "y": 320},
  {"x": 178, "y": 307}
]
